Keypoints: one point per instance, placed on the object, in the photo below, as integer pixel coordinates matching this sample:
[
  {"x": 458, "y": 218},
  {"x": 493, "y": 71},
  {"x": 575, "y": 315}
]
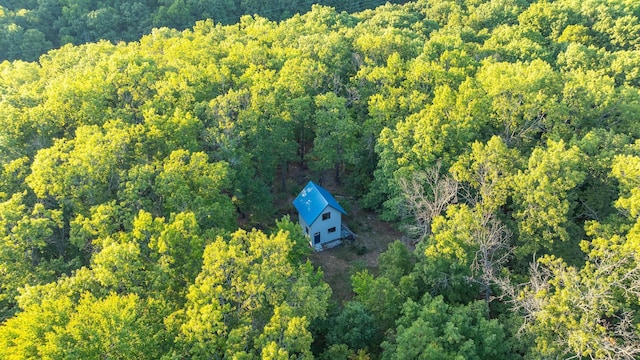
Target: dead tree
[
  {"x": 427, "y": 194},
  {"x": 595, "y": 298},
  {"x": 492, "y": 238}
]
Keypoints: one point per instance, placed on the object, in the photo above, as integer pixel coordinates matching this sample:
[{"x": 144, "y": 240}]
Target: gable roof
[{"x": 312, "y": 201}]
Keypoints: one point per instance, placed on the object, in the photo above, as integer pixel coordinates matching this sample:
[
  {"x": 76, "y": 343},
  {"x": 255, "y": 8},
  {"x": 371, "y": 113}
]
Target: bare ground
[{"x": 339, "y": 263}]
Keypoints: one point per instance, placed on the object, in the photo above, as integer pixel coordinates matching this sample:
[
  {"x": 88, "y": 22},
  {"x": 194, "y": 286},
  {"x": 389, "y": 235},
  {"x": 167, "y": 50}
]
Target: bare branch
[
  {"x": 596, "y": 296},
  {"x": 494, "y": 249},
  {"x": 427, "y": 194}
]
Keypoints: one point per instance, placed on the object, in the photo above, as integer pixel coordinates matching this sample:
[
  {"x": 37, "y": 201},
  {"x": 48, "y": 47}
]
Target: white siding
[
  {"x": 323, "y": 226},
  {"x": 304, "y": 226}
]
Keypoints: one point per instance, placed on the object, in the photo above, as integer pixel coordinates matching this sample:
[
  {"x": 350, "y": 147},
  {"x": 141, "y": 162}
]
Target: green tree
[
  {"x": 433, "y": 329},
  {"x": 114, "y": 327},
  {"x": 189, "y": 182},
  {"x": 336, "y": 135},
  {"x": 586, "y": 312},
  {"x": 33, "y": 44},
  {"x": 488, "y": 15},
  {"x": 427, "y": 140},
  {"x": 591, "y": 96},
  {"x": 179, "y": 248},
  {"x": 285, "y": 336},
  {"x": 235, "y": 297},
  {"x": 548, "y": 19},
  {"x": 396, "y": 262},
  {"x": 446, "y": 256},
  {"x": 32, "y": 250},
  {"x": 300, "y": 242},
  {"x": 13, "y": 176},
  {"x": 24, "y": 336},
  {"x": 83, "y": 171},
  {"x": 380, "y": 297},
  {"x": 488, "y": 170},
  {"x": 524, "y": 98},
  {"x": 626, "y": 169},
  {"x": 513, "y": 43},
  {"x": 546, "y": 199},
  {"x": 354, "y": 327}
]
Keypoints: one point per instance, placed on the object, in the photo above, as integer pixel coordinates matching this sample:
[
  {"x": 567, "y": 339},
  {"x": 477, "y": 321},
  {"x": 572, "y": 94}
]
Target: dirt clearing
[
  {"x": 338, "y": 264},
  {"x": 372, "y": 235}
]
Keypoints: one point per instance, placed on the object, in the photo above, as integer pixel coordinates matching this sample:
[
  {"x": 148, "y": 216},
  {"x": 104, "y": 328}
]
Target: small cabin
[{"x": 320, "y": 216}]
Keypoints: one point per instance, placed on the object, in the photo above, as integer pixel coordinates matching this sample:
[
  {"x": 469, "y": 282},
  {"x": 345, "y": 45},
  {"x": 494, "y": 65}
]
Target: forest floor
[{"x": 338, "y": 264}]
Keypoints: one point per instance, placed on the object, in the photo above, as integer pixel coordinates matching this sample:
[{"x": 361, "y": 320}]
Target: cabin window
[
  {"x": 332, "y": 230},
  {"x": 307, "y": 229},
  {"x": 326, "y": 216}
]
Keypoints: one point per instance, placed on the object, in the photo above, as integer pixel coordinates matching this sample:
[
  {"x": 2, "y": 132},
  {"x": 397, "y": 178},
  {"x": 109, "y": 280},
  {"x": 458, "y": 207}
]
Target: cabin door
[{"x": 316, "y": 238}]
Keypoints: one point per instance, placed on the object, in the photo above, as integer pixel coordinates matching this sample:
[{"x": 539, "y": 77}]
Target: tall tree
[
  {"x": 433, "y": 329},
  {"x": 546, "y": 198},
  {"x": 336, "y": 135},
  {"x": 188, "y": 181},
  {"x": 244, "y": 289}
]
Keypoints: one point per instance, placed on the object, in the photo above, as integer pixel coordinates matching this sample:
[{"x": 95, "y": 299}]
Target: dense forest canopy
[
  {"x": 30, "y": 28},
  {"x": 501, "y": 136}
]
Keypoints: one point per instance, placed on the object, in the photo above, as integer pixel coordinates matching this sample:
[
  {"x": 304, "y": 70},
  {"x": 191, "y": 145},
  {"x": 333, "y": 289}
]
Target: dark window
[
  {"x": 326, "y": 216},
  {"x": 333, "y": 229},
  {"x": 306, "y": 228}
]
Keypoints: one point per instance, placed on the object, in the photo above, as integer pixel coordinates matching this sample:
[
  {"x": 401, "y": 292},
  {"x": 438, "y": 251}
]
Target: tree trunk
[
  {"x": 285, "y": 168},
  {"x": 487, "y": 298}
]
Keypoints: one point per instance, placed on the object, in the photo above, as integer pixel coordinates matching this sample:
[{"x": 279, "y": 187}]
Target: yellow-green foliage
[{"x": 506, "y": 131}]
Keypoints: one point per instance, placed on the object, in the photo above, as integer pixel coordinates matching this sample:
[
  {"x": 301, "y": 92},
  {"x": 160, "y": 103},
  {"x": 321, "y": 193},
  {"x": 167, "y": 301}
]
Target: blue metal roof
[{"x": 312, "y": 201}]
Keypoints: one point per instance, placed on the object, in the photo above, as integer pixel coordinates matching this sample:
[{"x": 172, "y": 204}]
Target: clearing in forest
[{"x": 339, "y": 263}]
